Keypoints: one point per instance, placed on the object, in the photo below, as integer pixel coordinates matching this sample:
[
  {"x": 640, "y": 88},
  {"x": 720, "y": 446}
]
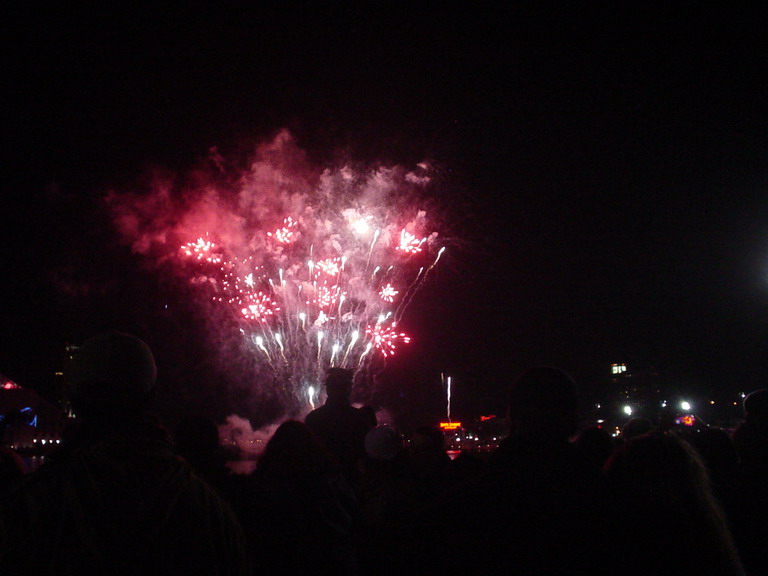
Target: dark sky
[{"x": 603, "y": 166}]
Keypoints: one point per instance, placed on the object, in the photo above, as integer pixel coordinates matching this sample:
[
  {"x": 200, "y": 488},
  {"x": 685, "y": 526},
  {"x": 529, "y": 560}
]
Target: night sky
[{"x": 602, "y": 173}]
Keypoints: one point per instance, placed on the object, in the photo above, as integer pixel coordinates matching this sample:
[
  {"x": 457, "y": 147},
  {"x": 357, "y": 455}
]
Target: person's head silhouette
[
  {"x": 543, "y": 404},
  {"x": 112, "y": 372},
  {"x": 338, "y": 385}
]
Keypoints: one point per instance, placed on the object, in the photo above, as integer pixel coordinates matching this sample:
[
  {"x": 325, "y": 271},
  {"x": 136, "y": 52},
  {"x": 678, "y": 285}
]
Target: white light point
[
  {"x": 360, "y": 226},
  {"x": 320, "y": 335},
  {"x": 353, "y": 339},
  {"x": 367, "y": 349},
  {"x": 334, "y": 351},
  {"x": 260, "y": 344}
]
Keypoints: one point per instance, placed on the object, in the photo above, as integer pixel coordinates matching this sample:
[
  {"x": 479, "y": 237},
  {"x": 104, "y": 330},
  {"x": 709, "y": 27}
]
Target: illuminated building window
[{"x": 618, "y": 368}]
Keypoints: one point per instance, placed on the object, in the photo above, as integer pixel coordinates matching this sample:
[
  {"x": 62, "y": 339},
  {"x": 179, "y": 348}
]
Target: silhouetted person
[
  {"x": 751, "y": 440},
  {"x": 667, "y": 520},
  {"x": 387, "y": 492},
  {"x": 751, "y": 436},
  {"x": 369, "y": 413},
  {"x": 197, "y": 441},
  {"x": 298, "y": 511},
  {"x": 340, "y": 426},
  {"x": 596, "y": 444},
  {"x": 433, "y": 470},
  {"x": 538, "y": 508},
  {"x": 636, "y": 427},
  {"x": 115, "y": 498},
  {"x": 12, "y": 468},
  {"x": 718, "y": 452},
  {"x": 667, "y": 420}
]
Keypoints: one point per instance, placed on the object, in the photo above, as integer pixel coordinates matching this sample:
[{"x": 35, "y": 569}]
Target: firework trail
[
  {"x": 311, "y": 268},
  {"x": 447, "y": 383}
]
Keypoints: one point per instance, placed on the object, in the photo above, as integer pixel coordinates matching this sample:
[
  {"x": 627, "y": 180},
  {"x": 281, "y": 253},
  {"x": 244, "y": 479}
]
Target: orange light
[{"x": 450, "y": 425}]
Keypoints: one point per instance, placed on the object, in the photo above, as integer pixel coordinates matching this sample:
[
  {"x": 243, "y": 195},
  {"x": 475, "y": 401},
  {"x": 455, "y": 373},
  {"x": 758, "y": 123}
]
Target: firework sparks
[
  {"x": 259, "y": 306},
  {"x": 324, "y": 287},
  {"x": 385, "y": 338},
  {"x": 201, "y": 250},
  {"x": 388, "y": 293},
  {"x": 287, "y": 233},
  {"x": 410, "y": 243},
  {"x": 330, "y": 267}
]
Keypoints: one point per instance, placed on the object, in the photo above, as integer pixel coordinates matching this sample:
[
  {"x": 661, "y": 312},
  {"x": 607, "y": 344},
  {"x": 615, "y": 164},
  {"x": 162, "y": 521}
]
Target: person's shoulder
[{"x": 314, "y": 414}]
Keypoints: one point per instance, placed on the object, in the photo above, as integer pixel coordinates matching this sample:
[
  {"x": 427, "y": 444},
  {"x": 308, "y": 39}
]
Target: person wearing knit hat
[
  {"x": 112, "y": 371},
  {"x": 115, "y": 497}
]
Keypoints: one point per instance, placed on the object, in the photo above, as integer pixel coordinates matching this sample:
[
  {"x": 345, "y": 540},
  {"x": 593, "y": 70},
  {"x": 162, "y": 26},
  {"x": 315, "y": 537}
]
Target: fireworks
[
  {"x": 385, "y": 338},
  {"x": 201, "y": 250},
  {"x": 314, "y": 268},
  {"x": 340, "y": 306},
  {"x": 410, "y": 243},
  {"x": 388, "y": 292}
]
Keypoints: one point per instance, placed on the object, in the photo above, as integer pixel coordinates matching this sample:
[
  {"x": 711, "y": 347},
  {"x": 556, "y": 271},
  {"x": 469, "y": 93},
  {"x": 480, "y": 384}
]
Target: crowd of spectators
[{"x": 340, "y": 494}]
